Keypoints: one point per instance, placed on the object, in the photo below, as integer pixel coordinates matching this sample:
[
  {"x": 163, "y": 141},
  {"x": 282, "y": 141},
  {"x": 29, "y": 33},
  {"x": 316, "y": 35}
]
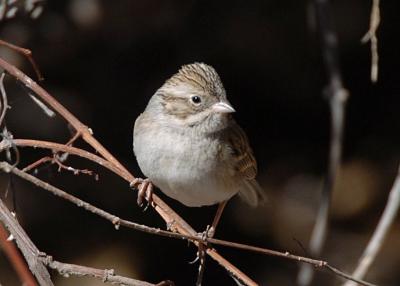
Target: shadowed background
[{"x": 104, "y": 59}]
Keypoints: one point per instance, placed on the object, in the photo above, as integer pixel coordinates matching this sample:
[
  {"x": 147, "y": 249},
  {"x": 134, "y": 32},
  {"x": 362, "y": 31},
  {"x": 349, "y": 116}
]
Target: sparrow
[{"x": 188, "y": 144}]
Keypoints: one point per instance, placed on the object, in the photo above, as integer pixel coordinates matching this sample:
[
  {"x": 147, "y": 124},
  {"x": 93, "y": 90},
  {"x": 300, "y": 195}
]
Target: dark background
[{"x": 104, "y": 59}]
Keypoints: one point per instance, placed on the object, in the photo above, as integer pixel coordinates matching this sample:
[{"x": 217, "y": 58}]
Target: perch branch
[
  {"x": 337, "y": 96},
  {"x": 380, "y": 233},
  {"x": 117, "y": 222}
]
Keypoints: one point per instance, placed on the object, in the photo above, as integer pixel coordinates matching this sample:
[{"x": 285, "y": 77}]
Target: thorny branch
[
  {"x": 337, "y": 95},
  {"x": 118, "y": 222}
]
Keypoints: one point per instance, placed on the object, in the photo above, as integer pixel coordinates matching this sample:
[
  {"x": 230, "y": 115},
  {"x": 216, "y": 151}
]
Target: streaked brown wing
[{"x": 245, "y": 163}]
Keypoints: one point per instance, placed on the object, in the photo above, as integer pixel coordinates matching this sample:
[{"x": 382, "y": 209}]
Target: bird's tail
[{"x": 252, "y": 193}]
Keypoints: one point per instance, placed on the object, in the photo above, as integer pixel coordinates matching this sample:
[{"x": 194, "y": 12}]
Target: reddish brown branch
[
  {"x": 16, "y": 259},
  {"x": 57, "y": 147},
  {"x": 26, "y": 53},
  {"x": 37, "y": 163}
]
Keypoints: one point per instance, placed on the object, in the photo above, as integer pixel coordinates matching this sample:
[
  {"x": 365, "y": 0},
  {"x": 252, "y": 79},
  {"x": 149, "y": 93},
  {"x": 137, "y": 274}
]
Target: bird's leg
[
  {"x": 145, "y": 191},
  {"x": 210, "y": 232}
]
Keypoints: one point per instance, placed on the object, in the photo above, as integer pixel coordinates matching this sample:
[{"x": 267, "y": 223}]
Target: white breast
[{"x": 184, "y": 166}]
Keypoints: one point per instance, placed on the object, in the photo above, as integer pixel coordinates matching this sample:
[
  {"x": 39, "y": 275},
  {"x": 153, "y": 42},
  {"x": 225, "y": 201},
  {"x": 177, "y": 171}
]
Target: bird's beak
[{"x": 223, "y": 107}]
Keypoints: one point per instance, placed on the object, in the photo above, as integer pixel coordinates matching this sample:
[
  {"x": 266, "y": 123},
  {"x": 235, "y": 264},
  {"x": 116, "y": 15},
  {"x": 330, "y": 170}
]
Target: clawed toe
[
  {"x": 145, "y": 192},
  {"x": 135, "y": 183},
  {"x": 208, "y": 233}
]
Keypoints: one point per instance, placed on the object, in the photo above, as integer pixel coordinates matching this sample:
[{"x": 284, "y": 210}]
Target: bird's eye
[{"x": 196, "y": 99}]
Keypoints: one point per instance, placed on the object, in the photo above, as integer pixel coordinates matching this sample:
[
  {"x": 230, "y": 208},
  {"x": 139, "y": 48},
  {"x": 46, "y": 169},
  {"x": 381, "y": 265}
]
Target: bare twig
[
  {"x": 58, "y": 158},
  {"x": 15, "y": 258},
  {"x": 106, "y": 275},
  {"x": 371, "y": 36},
  {"x": 75, "y": 171},
  {"x": 55, "y": 159},
  {"x": 26, "y": 53},
  {"x": 337, "y": 95},
  {"x": 117, "y": 222},
  {"x": 28, "y": 249},
  {"x": 37, "y": 163},
  {"x": 385, "y": 222}
]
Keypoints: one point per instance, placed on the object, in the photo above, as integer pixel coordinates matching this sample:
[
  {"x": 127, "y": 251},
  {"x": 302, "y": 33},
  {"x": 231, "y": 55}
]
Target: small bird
[{"x": 190, "y": 147}]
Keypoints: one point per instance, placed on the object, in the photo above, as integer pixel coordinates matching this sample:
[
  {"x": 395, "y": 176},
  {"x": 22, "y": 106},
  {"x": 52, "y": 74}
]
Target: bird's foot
[
  {"x": 208, "y": 233},
  {"x": 145, "y": 191}
]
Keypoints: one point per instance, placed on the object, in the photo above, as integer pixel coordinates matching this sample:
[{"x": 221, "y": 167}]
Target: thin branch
[
  {"x": 117, "y": 222},
  {"x": 337, "y": 95},
  {"x": 35, "y": 164},
  {"x": 26, "y": 53},
  {"x": 28, "y": 249},
  {"x": 61, "y": 166},
  {"x": 317, "y": 264},
  {"x": 380, "y": 233},
  {"x": 106, "y": 275},
  {"x": 15, "y": 258},
  {"x": 57, "y": 147},
  {"x": 375, "y": 20}
]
